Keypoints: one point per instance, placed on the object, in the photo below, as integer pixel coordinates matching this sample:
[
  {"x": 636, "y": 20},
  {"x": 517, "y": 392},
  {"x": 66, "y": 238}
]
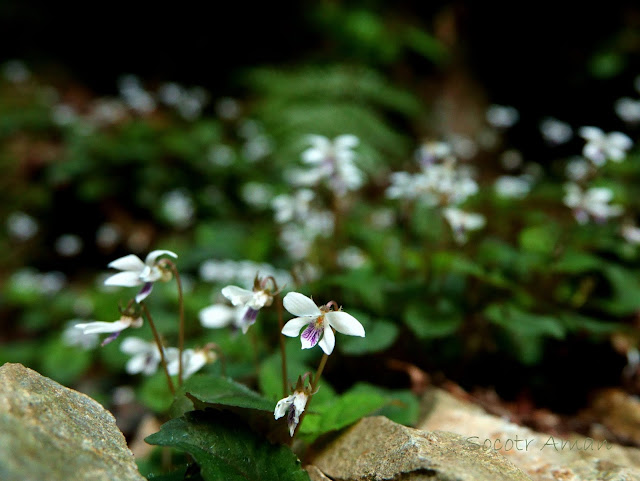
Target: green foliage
[{"x": 225, "y": 448}]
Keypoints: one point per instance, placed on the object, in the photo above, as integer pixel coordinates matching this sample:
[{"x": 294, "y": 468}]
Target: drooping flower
[
  {"x": 593, "y": 202},
  {"x": 145, "y": 356},
  {"x": 601, "y": 147},
  {"x": 293, "y": 406},
  {"x": 192, "y": 360},
  {"x": 319, "y": 322},
  {"x": 135, "y": 272},
  {"x": 112, "y": 328},
  {"x": 462, "y": 222},
  {"x": 252, "y": 301}
]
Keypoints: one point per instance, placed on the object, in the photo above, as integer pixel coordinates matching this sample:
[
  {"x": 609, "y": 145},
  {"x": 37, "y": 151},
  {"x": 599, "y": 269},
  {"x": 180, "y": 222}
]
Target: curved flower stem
[
  {"x": 156, "y": 336},
  {"x": 175, "y": 272},
  {"x": 283, "y": 352}
]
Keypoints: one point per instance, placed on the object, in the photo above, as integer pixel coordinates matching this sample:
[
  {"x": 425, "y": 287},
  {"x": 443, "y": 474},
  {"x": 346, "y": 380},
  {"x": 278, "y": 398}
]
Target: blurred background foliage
[{"x": 189, "y": 154}]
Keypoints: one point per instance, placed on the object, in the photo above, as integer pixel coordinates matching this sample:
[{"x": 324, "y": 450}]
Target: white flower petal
[
  {"x": 127, "y": 263},
  {"x": 136, "y": 364},
  {"x": 328, "y": 341},
  {"x": 313, "y": 156},
  {"x": 618, "y": 140},
  {"x": 319, "y": 142},
  {"x": 237, "y": 295},
  {"x": 282, "y": 406},
  {"x": 292, "y": 328},
  {"x": 153, "y": 255},
  {"x": 300, "y": 305},
  {"x": 134, "y": 345},
  {"x": 345, "y": 323},
  {"x": 346, "y": 142},
  {"x": 104, "y": 327},
  {"x": 124, "y": 279},
  {"x": 216, "y": 316},
  {"x": 591, "y": 133},
  {"x": 193, "y": 363}
]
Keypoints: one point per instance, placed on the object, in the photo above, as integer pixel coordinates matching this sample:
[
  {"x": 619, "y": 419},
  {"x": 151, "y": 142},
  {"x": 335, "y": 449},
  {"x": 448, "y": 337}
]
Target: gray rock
[
  {"x": 49, "y": 432},
  {"x": 542, "y": 456},
  {"x": 377, "y": 449}
]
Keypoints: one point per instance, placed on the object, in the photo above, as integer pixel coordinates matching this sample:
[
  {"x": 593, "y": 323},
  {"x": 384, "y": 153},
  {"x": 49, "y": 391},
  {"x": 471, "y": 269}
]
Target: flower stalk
[{"x": 156, "y": 336}]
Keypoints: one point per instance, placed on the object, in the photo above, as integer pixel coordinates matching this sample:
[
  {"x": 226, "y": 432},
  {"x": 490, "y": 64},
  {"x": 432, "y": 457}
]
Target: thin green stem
[
  {"x": 175, "y": 272},
  {"x": 283, "y": 351},
  {"x": 156, "y": 336}
]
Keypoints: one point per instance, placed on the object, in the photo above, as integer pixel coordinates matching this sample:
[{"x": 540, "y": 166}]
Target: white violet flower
[
  {"x": 293, "y": 406},
  {"x": 594, "y": 202},
  {"x": 601, "y": 147},
  {"x": 462, "y": 222},
  {"x": 135, "y": 272},
  {"x": 113, "y": 328},
  {"x": 72, "y": 336},
  {"x": 252, "y": 301},
  {"x": 145, "y": 356},
  {"x": 192, "y": 360},
  {"x": 217, "y": 316},
  {"x": 319, "y": 322}
]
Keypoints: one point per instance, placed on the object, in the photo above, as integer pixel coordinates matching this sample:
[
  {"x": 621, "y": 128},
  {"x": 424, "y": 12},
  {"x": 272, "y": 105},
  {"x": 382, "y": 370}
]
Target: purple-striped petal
[
  {"x": 110, "y": 338},
  {"x": 144, "y": 292},
  {"x": 311, "y": 335}
]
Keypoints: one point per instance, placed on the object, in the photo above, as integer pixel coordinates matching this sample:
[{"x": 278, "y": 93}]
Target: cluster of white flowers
[
  {"x": 600, "y": 147},
  {"x": 242, "y": 272},
  {"x": 591, "y": 203}
]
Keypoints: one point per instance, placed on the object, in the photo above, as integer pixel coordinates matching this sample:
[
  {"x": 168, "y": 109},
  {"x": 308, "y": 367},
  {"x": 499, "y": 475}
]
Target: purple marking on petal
[
  {"x": 312, "y": 333},
  {"x": 292, "y": 420},
  {"x": 111, "y": 338},
  {"x": 250, "y": 316},
  {"x": 144, "y": 292}
]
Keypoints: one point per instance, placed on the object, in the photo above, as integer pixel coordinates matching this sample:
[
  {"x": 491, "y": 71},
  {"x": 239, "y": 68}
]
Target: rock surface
[
  {"x": 377, "y": 449},
  {"x": 49, "y": 432},
  {"x": 542, "y": 456}
]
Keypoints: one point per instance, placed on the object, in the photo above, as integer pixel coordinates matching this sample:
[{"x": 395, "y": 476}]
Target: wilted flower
[
  {"x": 135, "y": 272},
  {"x": 593, "y": 202},
  {"x": 252, "y": 301},
  {"x": 192, "y": 360},
  {"x": 462, "y": 222},
  {"x": 600, "y": 146},
  {"x": 293, "y": 406},
  {"x": 145, "y": 356},
  {"x": 333, "y": 161},
  {"x": 319, "y": 322},
  {"x": 113, "y": 328}
]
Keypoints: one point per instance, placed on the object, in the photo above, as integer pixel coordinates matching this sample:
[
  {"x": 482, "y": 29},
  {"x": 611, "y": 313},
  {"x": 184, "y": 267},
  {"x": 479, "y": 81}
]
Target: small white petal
[
  {"x": 292, "y": 328},
  {"x": 328, "y": 341},
  {"x": 313, "y": 156},
  {"x": 193, "y": 363},
  {"x": 237, "y": 295},
  {"x": 282, "y": 406},
  {"x": 135, "y": 345},
  {"x": 346, "y": 142},
  {"x": 136, "y": 364},
  {"x": 153, "y": 255},
  {"x": 591, "y": 133},
  {"x": 104, "y": 327},
  {"x": 345, "y": 323},
  {"x": 127, "y": 263},
  {"x": 124, "y": 279},
  {"x": 620, "y": 141},
  {"x": 300, "y": 305},
  {"x": 216, "y": 316}
]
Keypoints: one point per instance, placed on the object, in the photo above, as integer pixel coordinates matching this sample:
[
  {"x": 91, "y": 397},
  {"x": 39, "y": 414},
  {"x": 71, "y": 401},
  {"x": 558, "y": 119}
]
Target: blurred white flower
[
  {"x": 112, "y": 328},
  {"x": 72, "y": 336},
  {"x": 134, "y": 94},
  {"x": 332, "y": 161},
  {"x": 628, "y": 109},
  {"x": 135, "y": 272},
  {"x": 462, "y": 146},
  {"x": 221, "y": 155},
  {"x": 601, "y": 147},
  {"x": 319, "y": 322},
  {"x": 293, "y": 406},
  {"x": 462, "y": 222},
  {"x": 292, "y": 207},
  {"x": 257, "y": 148},
  {"x": 108, "y": 235},
  {"x": 178, "y": 208},
  {"x": 501, "y": 116},
  {"x": 351, "y": 258},
  {"x": 257, "y": 194},
  {"x": 511, "y": 159},
  {"x": 145, "y": 356},
  {"x": 227, "y": 108},
  {"x": 578, "y": 169},
  {"x": 592, "y": 203},
  {"x": 631, "y": 234},
  {"x": 512, "y": 187},
  {"x": 63, "y": 114},
  {"x": 555, "y": 131},
  {"x": 218, "y": 316},
  {"x": 192, "y": 360},
  {"x": 68, "y": 245},
  {"x": 21, "y": 226},
  {"x": 431, "y": 152}
]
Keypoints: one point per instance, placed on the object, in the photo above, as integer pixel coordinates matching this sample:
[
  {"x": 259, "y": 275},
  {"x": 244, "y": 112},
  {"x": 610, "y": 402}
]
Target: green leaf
[
  {"x": 227, "y": 449},
  {"x": 513, "y": 319},
  {"x": 339, "y": 413},
  {"x": 154, "y": 393},
  {"x": 626, "y": 291},
  {"x": 428, "y": 322},
  {"x": 380, "y": 335},
  {"x": 541, "y": 239},
  {"x": 225, "y": 392},
  {"x": 575, "y": 262},
  {"x": 402, "y": 407}
]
